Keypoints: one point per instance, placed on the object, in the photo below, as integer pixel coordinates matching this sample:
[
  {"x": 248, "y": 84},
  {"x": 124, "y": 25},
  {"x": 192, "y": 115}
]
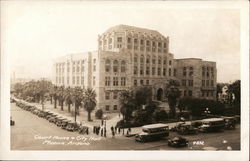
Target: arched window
[
  {"x": 123, "y": 66},
  {"x": 115, "y": 66},
  {"x": 142, "y": 59},
  {"x": 107, "y": 65}
]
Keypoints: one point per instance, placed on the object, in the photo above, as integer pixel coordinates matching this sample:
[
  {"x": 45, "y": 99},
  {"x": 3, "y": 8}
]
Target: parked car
[
  {"x": 185, "y": 129},
  {"x": 72, "y": 126},
  {"x": 52, "y": 118},
  {"x": 196, "y": 124},
  {"x": 64, "y": 124},
  {"x": 12, "y": 123},
  {"x": 178, "y": 142},
  {"x": 59, "y": 121}
]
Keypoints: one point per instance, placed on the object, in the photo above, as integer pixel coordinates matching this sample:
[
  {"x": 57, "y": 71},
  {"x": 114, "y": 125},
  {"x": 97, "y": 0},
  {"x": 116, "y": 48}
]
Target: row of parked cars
[
  {"x": 157, "y": 131},
  {"x": 58, "y": 120}
]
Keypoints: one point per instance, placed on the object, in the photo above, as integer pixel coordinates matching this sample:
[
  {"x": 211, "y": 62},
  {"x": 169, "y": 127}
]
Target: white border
[{"x": 6, "y": 153}]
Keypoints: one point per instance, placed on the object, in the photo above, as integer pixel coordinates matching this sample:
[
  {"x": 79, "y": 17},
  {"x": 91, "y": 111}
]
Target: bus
[
  {"x": 212, "y": 124},
  {"x": 152, "y": 132}
]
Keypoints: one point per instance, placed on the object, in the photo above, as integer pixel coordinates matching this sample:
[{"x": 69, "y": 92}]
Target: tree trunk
[
  {"x": 75, "y": 112},
  {"x": 55, "y": 103},
  {"x": 68, "y": 107},
  {"x": 62, "y": 105},
  {"x": 89, "y": 116},
  {"x": 51, "y": 99}
]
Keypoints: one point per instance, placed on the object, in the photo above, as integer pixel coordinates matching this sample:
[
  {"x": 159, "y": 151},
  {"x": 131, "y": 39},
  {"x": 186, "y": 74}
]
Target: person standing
[{"x": 105, "y": 132}]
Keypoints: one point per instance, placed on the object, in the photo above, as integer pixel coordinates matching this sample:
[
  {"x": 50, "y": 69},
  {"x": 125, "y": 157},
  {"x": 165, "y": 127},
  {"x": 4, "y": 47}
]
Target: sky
[{"x": 36, "y": 33}]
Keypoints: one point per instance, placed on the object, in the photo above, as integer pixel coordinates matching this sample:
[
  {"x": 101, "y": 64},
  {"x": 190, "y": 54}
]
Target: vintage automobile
[
  {"x": 41, "y": 114},
  {"x": 212, "y": 124},
  {"x": 59, "y": 121},
  {"x": 185, "y": 129},
  {"x": 52, "y": 118},
  {"x": 12, "y": 123},
  {"x": 49, "y": 114},
  {"x": 64, "y": 124},
  {"x": 152, "y": 132},
  {"x": 178, "y": 142},
  {"x": 72, "y": 126},
  {"x": 229, "y": 123}
]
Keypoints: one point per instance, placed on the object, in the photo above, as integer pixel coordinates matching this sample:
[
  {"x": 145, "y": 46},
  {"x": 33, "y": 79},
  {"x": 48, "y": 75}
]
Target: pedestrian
[
  {"x": 115, "y": 129},
  {"x": 94, "y": 130},
  {"x": 113, "y": 133},
  {"x": 129, "y": 130},
  {"x": 87, "y": 130},
  {"x": 102, "y": 132},
  {"x": 105, "y": 133},
  {"x": 119, "y": 130},
  {"x": 102, "y": 122},
  {"x": 97, "y": 130},
  {"x": 119, "y": 115},
  {"x": 123, "y": 131},
  {"x": 112, "y": 128}
]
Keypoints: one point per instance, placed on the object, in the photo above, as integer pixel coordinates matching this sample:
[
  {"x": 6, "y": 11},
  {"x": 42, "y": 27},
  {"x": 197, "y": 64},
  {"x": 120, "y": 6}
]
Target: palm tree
[
  {"x": 89, "y": 101},
  {"x": 61, "y": 96},
  {"x": 55, "y": 96},
  {"x": 77, "y": 97},
  {"x": 172, "y": 93},
  {"x": 68, "y": 97},
  {"x": 127, "y": 102}
]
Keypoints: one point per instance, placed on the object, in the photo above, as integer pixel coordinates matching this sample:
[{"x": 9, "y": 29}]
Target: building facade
[{"x": 128, "y": 57}]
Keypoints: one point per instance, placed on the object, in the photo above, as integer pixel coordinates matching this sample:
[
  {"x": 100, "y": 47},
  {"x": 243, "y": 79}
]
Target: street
[{"x": 33, "y": 133}]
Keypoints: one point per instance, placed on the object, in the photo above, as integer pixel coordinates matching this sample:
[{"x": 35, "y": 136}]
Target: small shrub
[{"x": 99, "y": 114}]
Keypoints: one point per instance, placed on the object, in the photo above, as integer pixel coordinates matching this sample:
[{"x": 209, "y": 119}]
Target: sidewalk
[{"x": 82, "y": 118}]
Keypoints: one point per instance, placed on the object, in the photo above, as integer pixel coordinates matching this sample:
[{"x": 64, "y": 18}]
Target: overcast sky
[{"x": 35, "y": 33}]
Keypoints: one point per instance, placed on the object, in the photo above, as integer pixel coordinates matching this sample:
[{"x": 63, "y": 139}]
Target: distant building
[
  {"x": 197, "y": 78},
  {"x": 129, "y": 56}
]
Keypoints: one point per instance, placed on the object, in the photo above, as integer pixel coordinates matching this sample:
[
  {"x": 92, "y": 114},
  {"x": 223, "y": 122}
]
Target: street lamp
[{"x": 207, "y": 111}]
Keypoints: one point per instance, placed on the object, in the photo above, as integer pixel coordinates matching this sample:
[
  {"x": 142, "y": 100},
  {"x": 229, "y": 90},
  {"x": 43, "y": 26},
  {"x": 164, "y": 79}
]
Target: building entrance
[{"x": 159, "y": 95}]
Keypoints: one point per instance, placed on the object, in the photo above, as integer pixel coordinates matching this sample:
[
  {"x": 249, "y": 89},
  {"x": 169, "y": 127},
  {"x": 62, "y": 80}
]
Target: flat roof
[
  {"x": 213, "y": 119},
  {"x": 152, "y": 126}
]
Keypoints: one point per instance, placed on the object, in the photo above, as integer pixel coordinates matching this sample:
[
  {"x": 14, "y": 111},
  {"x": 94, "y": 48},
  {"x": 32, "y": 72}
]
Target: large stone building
[{"x": 129, "y": 56}]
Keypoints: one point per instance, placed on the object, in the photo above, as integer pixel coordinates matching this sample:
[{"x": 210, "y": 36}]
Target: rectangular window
[
  {"x": 129, "y": 40},
  {"x": 142, "y": 42},
  {"x": 141, "y": 70},
  {"x": 159, "y": 71},
  {"x": 190, "y": 82},
  {"x": 141, "y": 82},
  {"x": 183, "y": 82},
  {"x": 115, "y": 107},
  {"x": 73, "y": 80},
  {"x": 203, "y": 93},
  {"x": 190, "y": 93},
  {"x": 107, "y": 81},
  {"x": 170, "y": 62},
  {"x": 185, "y": 93},
  {"x": 77, "y": 80},
  {"x": 67, "y": 80},
  {"x": 153, "y": 70},
  {"x": 184, "y": 71},
  {"x": 164, "y": 71},
  {"x": 94, "y": 68},
  {"x": 119, "y": 39},
  {"x": 107, "y": 107},
  {"x": 203, "y": 83},
  {"x": 115, "y": 81},
  {"x": 135, "y": 82},
  {"x": 170, "y": 72},
  {"x": 207, "y": 83},
  {"x": 135, "y": 41},
  {"x": 135, "y": 69},
  {"x": 175, "y": 71},
  {"x": 147, "y": 70},
  {"x": 110, "y": 40},
  {"x": 123, "y": 81},
  {"x": 147, "y": 82},
  {"x": 115, "y": 95},
  {"x": 107, "y": 95}
]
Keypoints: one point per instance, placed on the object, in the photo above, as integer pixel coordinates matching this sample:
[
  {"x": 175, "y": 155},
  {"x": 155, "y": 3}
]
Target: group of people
[{"x": 102, "y": 130}]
